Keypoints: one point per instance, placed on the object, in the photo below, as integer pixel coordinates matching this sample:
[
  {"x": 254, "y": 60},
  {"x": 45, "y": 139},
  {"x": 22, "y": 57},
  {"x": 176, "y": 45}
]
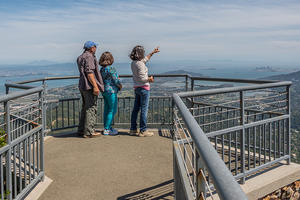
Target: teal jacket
[{"x": 110, "y": 79}]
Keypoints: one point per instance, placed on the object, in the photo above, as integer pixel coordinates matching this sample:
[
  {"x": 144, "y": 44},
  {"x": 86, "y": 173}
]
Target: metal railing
[
  {"x": 220, "y": 135},
  {"x": 248, "y": 126},
  {"x": 21, "y": 154}
]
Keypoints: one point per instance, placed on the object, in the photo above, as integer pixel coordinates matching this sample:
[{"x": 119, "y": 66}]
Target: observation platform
[
  {"x": 109, "y": 167},
  {"x": 127, "y": 167}
]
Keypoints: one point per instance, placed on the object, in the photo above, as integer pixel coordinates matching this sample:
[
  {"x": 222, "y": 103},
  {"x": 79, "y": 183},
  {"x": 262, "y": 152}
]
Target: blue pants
[
  {"x": 110, "y": 108},
  {"x": 141, "y": 102}
]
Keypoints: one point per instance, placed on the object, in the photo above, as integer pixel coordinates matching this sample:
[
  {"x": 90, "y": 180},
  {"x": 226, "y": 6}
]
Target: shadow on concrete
[
  {"x": 165, "y": 133},
  {"x": 163, "y": 190}
]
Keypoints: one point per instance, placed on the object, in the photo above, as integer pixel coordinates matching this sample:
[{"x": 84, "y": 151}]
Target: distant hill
[
  {"x": 183, "y": 72},
  {"x": 294, "y": 76}
]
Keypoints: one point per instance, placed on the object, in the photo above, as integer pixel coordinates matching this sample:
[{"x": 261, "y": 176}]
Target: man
[{"x": 90, "y": 85}]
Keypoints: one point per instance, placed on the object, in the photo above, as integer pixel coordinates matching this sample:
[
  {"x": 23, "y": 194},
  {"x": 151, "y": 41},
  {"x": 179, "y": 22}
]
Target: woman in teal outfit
[{"x": 112, "y": 86}]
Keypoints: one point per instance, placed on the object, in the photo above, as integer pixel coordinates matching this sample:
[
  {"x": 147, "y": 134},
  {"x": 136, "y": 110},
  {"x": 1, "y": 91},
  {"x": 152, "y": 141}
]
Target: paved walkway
[{"x": 109, "y": 167}]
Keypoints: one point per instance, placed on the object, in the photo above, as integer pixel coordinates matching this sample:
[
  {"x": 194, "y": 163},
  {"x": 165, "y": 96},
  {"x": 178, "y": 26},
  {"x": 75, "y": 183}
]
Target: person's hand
[
  {"x": 151, "y": 79},
  {"x": 120, "y": 86},
  {"x": 96, "y": 91},
  {"x": 156, "y": 50}
]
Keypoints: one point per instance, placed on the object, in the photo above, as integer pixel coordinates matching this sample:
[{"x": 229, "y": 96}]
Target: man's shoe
[
  {"x": 146, "y": 134},
  {"x": 95, "y": 134},
  {"x": 134, "y": 132}
]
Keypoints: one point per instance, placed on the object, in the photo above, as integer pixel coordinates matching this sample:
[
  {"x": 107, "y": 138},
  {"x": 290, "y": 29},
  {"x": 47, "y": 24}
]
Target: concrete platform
[
  {"x": 109, "y": 167},
  {"x": 128, "y": 167}
]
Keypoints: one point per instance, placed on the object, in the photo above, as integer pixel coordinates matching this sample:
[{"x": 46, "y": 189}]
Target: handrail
[
  {"x": 255, "y": 81},
  {"x": 19, "y": 86},
  {"x": 11, "y": 96},
  {"x": 224, "y": 182},
  {"x": 233, "y": 89},
  {"x": 233, "y": 80}
]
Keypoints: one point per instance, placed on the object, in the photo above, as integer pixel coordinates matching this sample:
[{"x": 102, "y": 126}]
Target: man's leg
[
  {"x": 135, "y": 111},
  {"x": 82, "y": 114},
  {"x": 91, "y": 112}
]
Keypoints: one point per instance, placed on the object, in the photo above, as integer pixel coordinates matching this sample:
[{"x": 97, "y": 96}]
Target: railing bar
[
  {"x": 229, "y": 152},
  {"x": 56, "y": 115},
  {"x": 33, "y": 154},
  {"x": 25, "y": 161},
  {"x": 265, "y": 142},
  {"x": 223, "y": 154},
  {"x": 68, "y": 104},
  {"x": 236, "y": 153},
  {"x": 248, "y": 144},
  {"x": 163, "y": 110},
  {"x": 73, "y": 112},
  {"x": 1, "y": 177},
  {"x": 29, "y": 158},
  {"x": 284, "y": 142},
  {"x": 275, "y": 130},
  {"x": 37, "y": 152},
  {"x": 254, "y": 145},
  {"x": 270, "y": 137},
  {"x": 260, "y": 141},
  {"x": 279, "y": 141},
  {"x": 15, "y": 171},
  {"x": 20, "y": 166},
  {"x": 62, "y": 114}
]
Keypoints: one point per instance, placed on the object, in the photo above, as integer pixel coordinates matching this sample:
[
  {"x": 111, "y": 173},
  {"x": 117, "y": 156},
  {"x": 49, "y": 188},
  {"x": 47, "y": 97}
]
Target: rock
[
  {"x": 296, "y": 196},
  {"x": 289, "y": 192},
  {"x": 273, "y": 197},
  {"x": 278, "y": 193},
  {"x": 267, "y": 198},
  {"x": 297, "y": 185}
]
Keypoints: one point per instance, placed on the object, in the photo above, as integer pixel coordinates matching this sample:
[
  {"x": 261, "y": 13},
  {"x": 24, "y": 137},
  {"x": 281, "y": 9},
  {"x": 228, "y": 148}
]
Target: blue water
[{"x": 20, "y": 73}]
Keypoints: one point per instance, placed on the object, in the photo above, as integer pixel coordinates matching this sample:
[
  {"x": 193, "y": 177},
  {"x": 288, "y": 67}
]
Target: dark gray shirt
[{"x": 87, "y": 63}]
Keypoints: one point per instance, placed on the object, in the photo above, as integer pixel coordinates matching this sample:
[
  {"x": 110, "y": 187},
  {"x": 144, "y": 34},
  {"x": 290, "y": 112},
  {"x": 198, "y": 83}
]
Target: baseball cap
[{"x": 89, "y": 44}]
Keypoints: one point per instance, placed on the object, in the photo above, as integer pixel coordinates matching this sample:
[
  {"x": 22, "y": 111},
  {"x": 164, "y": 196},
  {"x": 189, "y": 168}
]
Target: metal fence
[
  {"x": 220, "y": 135},
  {"x": 21, "y": 152},
  {"x": 249, "y": 127}
]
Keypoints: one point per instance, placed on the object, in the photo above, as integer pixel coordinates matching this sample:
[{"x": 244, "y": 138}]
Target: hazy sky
[{"x": 266, "y": 31}]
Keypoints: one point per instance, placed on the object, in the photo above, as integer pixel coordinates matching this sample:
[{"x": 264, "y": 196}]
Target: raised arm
[{"x": 156, "y": 50}]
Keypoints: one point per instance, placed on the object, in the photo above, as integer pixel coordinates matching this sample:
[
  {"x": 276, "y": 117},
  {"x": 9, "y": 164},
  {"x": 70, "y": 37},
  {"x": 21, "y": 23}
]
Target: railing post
[
  {"x": 289, "y": 123},
  {"x": 8, "y": 156},
  {"x": 44, "y": 106},
  {"x": 41, "y": 97},
  {"x": 186, "y": 83},
  {"x": 242, "y": 142},
  {"x": 192, "y": 83},
  {"x": 7, "y": 89},
  {"x": 201, "y": 186}
]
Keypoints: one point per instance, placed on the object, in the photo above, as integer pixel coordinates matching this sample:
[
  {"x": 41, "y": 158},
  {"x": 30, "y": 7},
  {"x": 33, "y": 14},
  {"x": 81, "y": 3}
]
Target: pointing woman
[{"x": 141, "y": 82}]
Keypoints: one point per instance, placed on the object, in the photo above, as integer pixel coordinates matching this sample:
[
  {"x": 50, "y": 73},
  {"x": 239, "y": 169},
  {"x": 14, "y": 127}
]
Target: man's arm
[{"x": 92, "y": 80}]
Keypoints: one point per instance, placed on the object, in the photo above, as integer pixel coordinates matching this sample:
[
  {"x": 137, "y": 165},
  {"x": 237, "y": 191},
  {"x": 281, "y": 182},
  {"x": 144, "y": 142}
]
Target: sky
[{"x": 216, "y": 31}]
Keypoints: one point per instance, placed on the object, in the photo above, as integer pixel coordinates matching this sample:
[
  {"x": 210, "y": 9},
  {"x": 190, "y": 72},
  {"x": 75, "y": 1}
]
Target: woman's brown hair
[
  {"x": 137, "y": 53},
  {"x": 106, "y": 59}
]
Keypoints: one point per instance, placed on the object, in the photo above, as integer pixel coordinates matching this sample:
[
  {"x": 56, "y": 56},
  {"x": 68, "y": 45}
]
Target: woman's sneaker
[
  {"x": 114, "y": 131},
  {"x": 146, "y": 134}
]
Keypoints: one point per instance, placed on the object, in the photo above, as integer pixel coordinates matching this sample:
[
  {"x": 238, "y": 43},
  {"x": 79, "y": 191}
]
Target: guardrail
[
  {"x": 237, "y": 122},
  {"x": 248, "y": 126},
  {"x": 21, "y": 154}
]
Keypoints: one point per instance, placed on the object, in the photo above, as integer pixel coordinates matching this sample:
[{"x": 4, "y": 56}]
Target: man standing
[{"x": 90, "y": 85}]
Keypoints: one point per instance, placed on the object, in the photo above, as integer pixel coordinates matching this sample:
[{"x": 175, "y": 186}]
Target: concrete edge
[
  {"x": 39, "y": 189},
  {"x": 271, "y": 181}
]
